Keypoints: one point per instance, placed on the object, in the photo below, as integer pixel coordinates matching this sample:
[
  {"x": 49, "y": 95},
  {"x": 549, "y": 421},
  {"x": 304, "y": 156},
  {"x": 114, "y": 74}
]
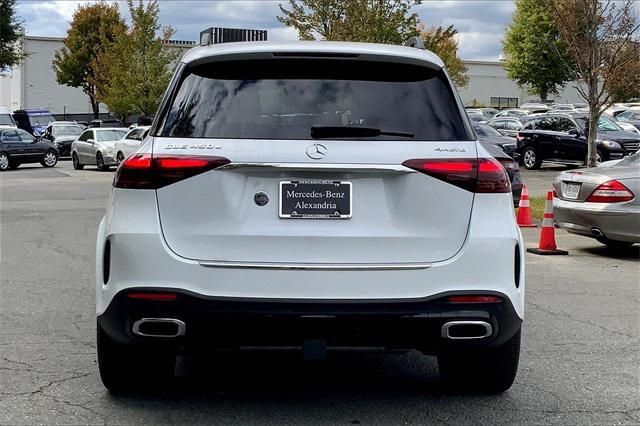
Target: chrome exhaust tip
[
  {"x": 159, "y": 327},
  {"x": 466, "y": 330},
  {"x": 597, "y": 232}
]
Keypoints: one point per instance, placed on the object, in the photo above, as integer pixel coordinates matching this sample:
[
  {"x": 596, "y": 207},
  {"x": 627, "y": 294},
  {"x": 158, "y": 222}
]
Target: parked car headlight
[{"x": 611, "y": 144}]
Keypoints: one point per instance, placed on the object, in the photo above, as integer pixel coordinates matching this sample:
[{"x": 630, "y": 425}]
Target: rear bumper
[
  {"x": 616, "y": 222},
  {"x": 235, "y": 323}
]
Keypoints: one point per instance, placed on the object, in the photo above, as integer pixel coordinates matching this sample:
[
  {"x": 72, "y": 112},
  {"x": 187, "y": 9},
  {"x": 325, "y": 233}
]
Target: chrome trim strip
[
  {"x": 180, "y": 332},
  {"x": 320, "y": 166},
  {"x": 445, "y": 330},
  {"x": 315, "y": 266}
]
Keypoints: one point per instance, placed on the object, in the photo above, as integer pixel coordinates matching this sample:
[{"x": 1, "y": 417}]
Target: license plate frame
[
  {"x": 571, "y": 190},
  {"x": 286, "y": 211}
]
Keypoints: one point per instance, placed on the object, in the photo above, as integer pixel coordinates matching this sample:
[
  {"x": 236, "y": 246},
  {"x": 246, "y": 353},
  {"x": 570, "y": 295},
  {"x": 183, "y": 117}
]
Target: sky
[{"x": 481, "y": 24}]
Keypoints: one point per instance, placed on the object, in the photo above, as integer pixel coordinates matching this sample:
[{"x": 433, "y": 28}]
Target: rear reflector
[
  {"x": 611, "y": 192},
  {"x": 473, "y": 299},
  {"x": 483, "y": 175},
  {"x": 153, "y": 296},
  {"x": 144, "y": 171}
]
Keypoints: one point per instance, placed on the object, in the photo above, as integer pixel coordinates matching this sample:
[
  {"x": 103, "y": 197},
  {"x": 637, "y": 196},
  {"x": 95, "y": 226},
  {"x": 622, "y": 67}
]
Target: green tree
[
  {"x": 536, "y": 54},
  {"x": 135, "y": 71},
  {"x": 443, "y": 42},
  {"x": 374, "y": 21},
  {"x": 92, "y": 31},
  {"x": 10, "y": 32},
  {"x": 603, "y": 42}
]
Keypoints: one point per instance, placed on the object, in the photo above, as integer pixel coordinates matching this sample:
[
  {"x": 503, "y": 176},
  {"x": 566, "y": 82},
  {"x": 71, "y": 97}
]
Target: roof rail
[{"x": 416, "y": 42}]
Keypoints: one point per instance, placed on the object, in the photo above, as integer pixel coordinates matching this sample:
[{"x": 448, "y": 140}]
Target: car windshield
[
  {"x": 110, "y": 134},
  {"x": 40, "y": 119},
  {"x": 632, "y": 160},
  {"x": 485, "y": 130},
  {"x": 285, "y": 98},
  {"x": 6, "y": 120},
  {"x": 603, "y": 123},
  {"x": 66, "y": 130}
]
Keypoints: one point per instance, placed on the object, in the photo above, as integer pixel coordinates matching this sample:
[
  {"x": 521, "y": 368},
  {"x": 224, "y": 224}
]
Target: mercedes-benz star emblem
[{"x": 316, "y": 151}]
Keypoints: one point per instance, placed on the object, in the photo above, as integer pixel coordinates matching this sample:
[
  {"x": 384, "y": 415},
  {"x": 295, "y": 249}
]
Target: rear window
[{"x": 284, "y": 98}]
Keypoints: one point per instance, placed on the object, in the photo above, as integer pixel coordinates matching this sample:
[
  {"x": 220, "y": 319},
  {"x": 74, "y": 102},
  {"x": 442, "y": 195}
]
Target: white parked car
[
  {"x": 311, "y": 195},
  {"x": 96, "y": 146},
  {"x": 130, "y": 142}
]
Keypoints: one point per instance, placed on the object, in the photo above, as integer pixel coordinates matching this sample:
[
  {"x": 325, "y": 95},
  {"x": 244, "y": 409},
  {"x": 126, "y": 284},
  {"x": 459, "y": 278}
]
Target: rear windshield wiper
[{"x": 319, "y": 132}]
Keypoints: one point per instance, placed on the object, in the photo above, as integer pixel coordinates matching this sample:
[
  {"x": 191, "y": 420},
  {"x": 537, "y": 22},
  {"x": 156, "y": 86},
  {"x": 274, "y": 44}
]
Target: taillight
[
  {"x": 153, "y": 296},
  {"x": 483, "y": 175},
  {"x": 144, "y": 171},
  {"x": 509, "y": 164},
  {"x": 610, "y": 192}
]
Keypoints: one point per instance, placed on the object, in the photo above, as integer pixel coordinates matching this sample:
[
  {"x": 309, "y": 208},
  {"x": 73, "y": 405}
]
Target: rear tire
[
  {"x": 481, "y": 370},
  {"x": 50, "y": 159},
  {"x": 4, "y": 161},
  {"x": 530, "y": 159},
  {"x": 76, "y": 162},
  {"x": 129, "y": 367}
]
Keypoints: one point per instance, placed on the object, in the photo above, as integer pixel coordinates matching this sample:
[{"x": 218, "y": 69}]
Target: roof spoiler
[{"x": 416, "y": 42}]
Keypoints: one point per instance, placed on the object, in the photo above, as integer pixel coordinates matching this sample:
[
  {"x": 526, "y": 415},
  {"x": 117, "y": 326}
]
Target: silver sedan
[
  {"x": 96, "y": 146},
  {"x": 602, "y": 203}
]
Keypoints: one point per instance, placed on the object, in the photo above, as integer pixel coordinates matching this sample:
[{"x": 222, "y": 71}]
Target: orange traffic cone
[
  {"x": 525, "y": 219},
  {"x": 547, "y": 244}
]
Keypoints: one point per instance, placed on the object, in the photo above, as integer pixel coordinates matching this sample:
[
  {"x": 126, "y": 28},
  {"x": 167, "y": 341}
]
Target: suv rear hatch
[{"x": 315, "y": 149}]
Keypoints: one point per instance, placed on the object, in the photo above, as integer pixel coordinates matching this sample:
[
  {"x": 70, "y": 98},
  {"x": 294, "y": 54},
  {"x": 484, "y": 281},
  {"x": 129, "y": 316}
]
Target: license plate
[
  {"x": 571, "y": 190},
  {"x": 315, "y": 200}
]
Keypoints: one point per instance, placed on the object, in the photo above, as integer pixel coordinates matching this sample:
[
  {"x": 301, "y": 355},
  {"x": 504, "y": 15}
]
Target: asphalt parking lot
[{"x": 580, "y": 362}]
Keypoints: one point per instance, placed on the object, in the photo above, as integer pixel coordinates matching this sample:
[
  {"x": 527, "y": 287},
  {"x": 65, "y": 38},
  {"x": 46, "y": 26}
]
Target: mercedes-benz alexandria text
[{"x": 310, "y": 195}]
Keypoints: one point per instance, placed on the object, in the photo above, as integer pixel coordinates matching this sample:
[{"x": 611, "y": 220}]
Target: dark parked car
[
  {"x": 490, "y": 135},
  {"x": 507, "y": 126},
  {"x": 17, "y": 147},
  {"x": 561, "y": 138},
  {"x": 62, "y": 134},
  {"x": 510, "y": 165},
  {"x": 33, "y": 121}
]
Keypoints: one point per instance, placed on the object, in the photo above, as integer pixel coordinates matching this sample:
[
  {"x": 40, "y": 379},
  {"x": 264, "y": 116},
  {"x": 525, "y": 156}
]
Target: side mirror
[
  {"x": 91, "y": 140},
  {"x": 574, "y": 132},
  {"x": 36, "y": 134}
]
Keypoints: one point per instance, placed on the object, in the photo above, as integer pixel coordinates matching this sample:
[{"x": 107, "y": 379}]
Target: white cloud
[{"x": 481, "y": 23}]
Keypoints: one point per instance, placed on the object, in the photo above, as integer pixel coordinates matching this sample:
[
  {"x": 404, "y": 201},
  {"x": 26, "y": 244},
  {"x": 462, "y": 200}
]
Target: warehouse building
[{"x": 33, "y": 85}]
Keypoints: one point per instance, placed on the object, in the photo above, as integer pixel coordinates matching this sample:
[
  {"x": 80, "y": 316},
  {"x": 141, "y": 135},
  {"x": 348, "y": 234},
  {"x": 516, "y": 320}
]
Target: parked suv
[
  {"x": 62, "y": 134},
  {"x": 314, "y": 195},
  {"x": 561, "y": 138}
]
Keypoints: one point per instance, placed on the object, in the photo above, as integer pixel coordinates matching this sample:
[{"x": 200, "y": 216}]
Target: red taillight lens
[
  {"x": 484, "y": 175},
  {"x": 153, "y": 296},
  {"x": 611, "y": 192},
  {"x": 473, "y": 299},
  {"x": 144, "y": 171}
]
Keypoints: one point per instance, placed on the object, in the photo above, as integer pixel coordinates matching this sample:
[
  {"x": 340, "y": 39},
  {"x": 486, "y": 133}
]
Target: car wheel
[
  {"x": 50, "y": 159},
  {"x": 599, "y": 157},
  {"x": 530, "y": 159},
  {"x": 4, "y": 161},
  {"x": 76, "y": 162},
  {"x": 100, "y": 163},
  {"x": 120, "y": 157},
  {"x": 481, "y": 370},
  {"x": 130, "y": 367}
]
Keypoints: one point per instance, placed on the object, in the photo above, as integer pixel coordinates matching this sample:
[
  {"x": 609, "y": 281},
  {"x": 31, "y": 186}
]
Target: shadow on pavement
[{"x": 632, "y": 252}]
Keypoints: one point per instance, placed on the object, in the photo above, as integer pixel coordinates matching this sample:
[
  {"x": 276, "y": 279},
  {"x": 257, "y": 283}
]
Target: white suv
[{"x": 315, "y": 195}]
